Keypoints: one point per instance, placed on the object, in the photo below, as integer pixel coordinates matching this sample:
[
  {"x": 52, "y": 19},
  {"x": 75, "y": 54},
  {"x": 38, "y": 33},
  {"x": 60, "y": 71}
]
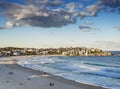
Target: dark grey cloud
[
  {"x": 2, "y": 27},
  {"x": 87, "y": 27},
  {"x": 55, "y": 3},
  {"x": 49, "y": 19},
  {"x": 10, "y": 6},
  {"x": 34, "y": 15},
  {"x": 117, "y": 27},
  {"x": 110, "y": 3}
]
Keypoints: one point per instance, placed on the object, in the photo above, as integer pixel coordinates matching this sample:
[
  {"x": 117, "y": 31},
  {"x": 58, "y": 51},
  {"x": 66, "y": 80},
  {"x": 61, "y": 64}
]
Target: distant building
[
  {"x": 17, "y": 53},
  {"x": 68, "y": 51},
  {"x": 93, "y": 50},
  {"x": 6, "y": 53},
  {"x": 64, "y": 53},
  {"x": 0, "y": 53}
]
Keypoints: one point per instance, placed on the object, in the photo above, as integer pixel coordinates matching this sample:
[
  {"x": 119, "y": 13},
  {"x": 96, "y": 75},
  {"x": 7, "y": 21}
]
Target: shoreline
[
  {"x": 61, "y": 55},
  {"x": 60, "y": 82}
]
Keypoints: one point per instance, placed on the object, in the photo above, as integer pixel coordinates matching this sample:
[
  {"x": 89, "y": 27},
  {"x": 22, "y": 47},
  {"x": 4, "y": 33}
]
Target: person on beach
[
  {"x": 11, "y": 73},
  {"x": 51, "y": 84}
]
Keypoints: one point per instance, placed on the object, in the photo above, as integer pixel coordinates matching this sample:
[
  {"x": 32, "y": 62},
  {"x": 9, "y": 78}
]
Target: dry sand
[{"x": 13, "y": 76}]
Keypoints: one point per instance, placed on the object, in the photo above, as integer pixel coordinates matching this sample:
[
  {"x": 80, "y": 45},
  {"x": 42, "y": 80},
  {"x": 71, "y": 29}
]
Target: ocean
[{"x": 99, "y": 70}]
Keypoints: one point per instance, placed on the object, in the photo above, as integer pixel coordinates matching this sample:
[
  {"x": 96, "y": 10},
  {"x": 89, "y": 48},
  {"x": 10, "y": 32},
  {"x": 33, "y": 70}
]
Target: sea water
[{"x": 100, "y": 71}]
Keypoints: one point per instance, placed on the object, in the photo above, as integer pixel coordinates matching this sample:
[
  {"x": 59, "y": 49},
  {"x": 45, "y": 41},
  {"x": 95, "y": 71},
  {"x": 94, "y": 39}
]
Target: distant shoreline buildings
[{"x": 68, "y": 51}]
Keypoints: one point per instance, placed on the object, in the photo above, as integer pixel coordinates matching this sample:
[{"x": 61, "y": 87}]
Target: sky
[{"x": 60, "y": 23}]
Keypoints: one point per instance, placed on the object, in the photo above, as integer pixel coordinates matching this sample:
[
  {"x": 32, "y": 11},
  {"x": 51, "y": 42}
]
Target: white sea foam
[
  {"x": 78, "y": 70},
  {"x": 90, "y": 68}
]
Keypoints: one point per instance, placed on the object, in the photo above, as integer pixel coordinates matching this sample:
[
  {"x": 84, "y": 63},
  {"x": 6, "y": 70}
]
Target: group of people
[{"x": 51, "y": 84}]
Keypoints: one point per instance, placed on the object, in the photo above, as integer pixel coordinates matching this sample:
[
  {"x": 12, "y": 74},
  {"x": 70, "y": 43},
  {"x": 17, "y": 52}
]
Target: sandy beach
[{"x": 13, "y": 76}]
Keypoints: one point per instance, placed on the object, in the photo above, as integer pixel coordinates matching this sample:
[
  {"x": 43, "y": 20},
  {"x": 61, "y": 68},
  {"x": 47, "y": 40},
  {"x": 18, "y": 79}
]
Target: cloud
[
  {"x": 46, "y": 18},
  {"x": 87, "y": 27},
  {"x": 117, "y": 27},
  {"x": 110, "y": 3},
  {"x": 44, "y": 2},
  {"x": 73, "y": 6},
  {"x": 90, "y": 11},
  {"x": 56, "y": 2},
  {"x": 10, "y": 6},
  {"x": 2, "y": 27},
  {"x": 107, "y": 45},
  {"x": 50, "y": 13},
  {"x": 8, "y": 25},
  {"x": 36, "y": 16},
  {"x": 86, "y": 0},
  {"x": 93, "y": 9}
]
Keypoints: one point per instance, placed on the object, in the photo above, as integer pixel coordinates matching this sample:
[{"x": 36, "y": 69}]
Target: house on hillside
[{"x": 17, "y": 53}]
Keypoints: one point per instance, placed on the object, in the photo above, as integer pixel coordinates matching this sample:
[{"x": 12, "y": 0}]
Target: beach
[{"x": 14, "y": 76}]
